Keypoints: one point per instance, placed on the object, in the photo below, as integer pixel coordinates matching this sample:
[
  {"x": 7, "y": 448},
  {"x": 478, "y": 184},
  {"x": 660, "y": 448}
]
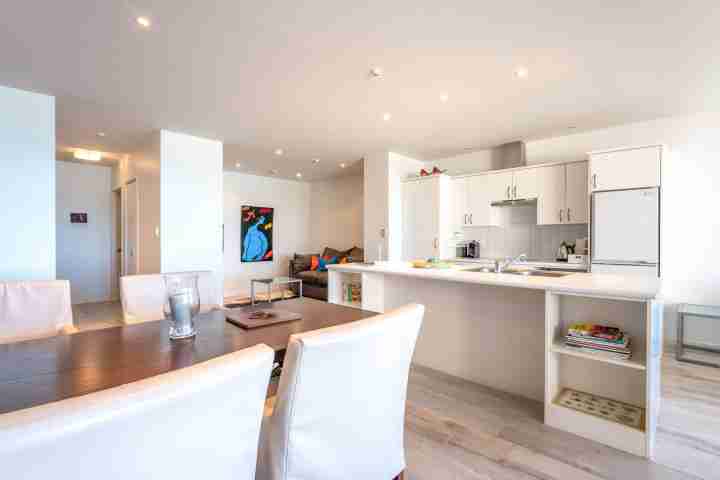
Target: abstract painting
[{"x": 256, "y": 234}]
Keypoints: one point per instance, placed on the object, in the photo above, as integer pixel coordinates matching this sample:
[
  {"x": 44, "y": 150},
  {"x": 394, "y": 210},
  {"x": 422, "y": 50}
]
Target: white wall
[
  {"x": 27, "y": 195},
  {"x": 336, "y": 209},
  {"x": 690, "y": 232},
  {"x": 84, "y": 250},
  {"x": 191, "y": 186},
  {"x": 291, "y": 228}
]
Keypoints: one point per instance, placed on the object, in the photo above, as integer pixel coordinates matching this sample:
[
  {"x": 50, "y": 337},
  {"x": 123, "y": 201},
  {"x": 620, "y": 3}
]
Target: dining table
[{"x": 47, "y": 370}]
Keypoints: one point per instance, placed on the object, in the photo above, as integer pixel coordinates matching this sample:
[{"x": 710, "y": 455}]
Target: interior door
[
  {"x": 131, "y": 231},
  {"x": 576, "y": 197},
  {"x": 551, "y": 198}
]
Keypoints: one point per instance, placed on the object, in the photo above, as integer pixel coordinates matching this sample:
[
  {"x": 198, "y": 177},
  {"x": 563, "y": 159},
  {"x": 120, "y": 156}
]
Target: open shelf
[{"x": 636, "y": 361}]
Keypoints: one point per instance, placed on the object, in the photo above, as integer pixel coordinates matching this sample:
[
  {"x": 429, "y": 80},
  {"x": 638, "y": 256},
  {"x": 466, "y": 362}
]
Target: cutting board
[{"x": 241, "y": 318}]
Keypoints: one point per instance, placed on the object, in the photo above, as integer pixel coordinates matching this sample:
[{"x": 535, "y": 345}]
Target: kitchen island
[{"x": 506, "y": 331}]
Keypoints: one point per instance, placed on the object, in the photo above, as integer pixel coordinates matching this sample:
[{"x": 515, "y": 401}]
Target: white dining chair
[
  {"x": 143, "y": 296},
  {"x": 340, "y": 408},
  {"x": 35, "y": 309},
  {"x": 200, "y": 422}
]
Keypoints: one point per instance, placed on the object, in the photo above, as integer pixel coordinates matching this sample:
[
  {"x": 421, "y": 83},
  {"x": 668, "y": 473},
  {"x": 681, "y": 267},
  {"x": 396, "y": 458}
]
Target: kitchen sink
[{"x": 524, "y": 273}]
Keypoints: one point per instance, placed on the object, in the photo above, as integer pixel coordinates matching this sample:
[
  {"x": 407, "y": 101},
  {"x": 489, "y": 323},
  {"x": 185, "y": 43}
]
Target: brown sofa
[{"x": 314, "y": 282}]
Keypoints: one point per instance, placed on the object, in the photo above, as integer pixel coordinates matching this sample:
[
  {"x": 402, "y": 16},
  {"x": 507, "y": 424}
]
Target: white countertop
[{"x": 597, "y": 284}]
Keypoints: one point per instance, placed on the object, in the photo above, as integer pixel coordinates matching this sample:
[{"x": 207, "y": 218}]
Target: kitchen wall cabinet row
[{"x": 561, "y": 192}]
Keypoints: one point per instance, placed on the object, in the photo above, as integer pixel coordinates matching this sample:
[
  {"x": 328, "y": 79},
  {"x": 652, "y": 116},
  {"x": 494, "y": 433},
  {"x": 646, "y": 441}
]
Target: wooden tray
[{"x": 241, "y": 318}]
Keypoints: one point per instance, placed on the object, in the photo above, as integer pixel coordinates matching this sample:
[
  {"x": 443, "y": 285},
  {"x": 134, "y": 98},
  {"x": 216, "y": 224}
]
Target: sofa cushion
[
  {"x": 302, "y": 261},
  {"x": 356, "y": 254},
  {"x": 331, "y": 252},
  {"x": 314, "y": 277}
]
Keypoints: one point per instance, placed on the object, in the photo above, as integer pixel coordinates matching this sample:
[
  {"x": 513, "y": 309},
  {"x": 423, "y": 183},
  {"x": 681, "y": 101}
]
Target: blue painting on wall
[{"x": 256, "y": 234}]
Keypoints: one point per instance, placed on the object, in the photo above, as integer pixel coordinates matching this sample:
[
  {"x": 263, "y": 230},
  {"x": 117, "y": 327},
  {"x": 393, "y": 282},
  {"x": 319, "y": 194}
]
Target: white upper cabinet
[
  {"x": 551, "y": 201},
  {"x": 483, "y": 190},
  {"x": 623, "y": 169},
  {"x": 563, "y": 195},
  {"x": 576, "y": 194},
  {"x": 525, "y": 184}
]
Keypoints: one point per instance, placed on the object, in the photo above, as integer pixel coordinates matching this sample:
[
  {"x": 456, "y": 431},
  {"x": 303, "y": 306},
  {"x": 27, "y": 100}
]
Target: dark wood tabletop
[{"x": 42, "y": 371}]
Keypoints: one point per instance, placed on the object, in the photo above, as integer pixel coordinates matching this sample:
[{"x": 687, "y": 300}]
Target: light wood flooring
[{"x": 460, "y": 430}]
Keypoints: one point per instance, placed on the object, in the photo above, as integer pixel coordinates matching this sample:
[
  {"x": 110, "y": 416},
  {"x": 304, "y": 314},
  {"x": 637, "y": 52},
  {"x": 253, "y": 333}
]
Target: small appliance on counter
[
  {"x": 576, "y": 259},
  {"x": 468, "y": 249},
  {"x": 564, "y": 251}
]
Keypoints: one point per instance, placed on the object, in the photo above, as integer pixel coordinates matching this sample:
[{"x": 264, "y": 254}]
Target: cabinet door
[
  {"x": 636, "y": 168},
  {"x": 460, "y": 204},
  {"x": 576, "y": 196},
  {"x": 525, "y": 183},
  {"x": 483, "y": 190},
  {"x": 551, "y": 198},
  {"x": 420, "y": 228}
]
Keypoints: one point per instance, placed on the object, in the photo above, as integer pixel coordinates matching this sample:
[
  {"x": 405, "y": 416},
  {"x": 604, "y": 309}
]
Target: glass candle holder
[{"x": 182, "y": 304}]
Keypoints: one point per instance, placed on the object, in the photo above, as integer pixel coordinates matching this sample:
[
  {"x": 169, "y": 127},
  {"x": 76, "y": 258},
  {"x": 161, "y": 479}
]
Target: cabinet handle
[
  {"x": 568, "y": 215},
  {"x": 471, "y": 219},
  {"x": 507, "y": 194},
  {"x": 561, "y": 215},
  {"x": 435, "y": 243},
  {"x": 594, "y": 180},
  {"x": 515, "y": 191},
  {"x": 465, "y": 219}
]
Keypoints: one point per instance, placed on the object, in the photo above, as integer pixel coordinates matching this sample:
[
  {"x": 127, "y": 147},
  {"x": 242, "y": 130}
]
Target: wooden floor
[{"x": 459, "y": 430}]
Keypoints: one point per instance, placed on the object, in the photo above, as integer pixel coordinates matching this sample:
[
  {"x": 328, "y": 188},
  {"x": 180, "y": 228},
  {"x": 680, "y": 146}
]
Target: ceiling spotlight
[
  {"x": 342, "y": 165},
  {"x": 143, "y": 22},
  {"x": 521, "y": 72},
  {"x": 444, "y": 97},
  {"x": 101, "y": 134},
  {"x": 298, "y": 175},
  {"x": 89, "y": 155},
  {"x": 316, "y": 161},
  {"x": 238, "y": 165},
  {"x": 376, "y": 72},
  {"x": 386, "y": 116},
  {"x": 279, "y": 151}
]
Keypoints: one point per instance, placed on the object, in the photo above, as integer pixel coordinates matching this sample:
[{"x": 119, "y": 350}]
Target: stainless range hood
[{"x": 520, "y": 202}]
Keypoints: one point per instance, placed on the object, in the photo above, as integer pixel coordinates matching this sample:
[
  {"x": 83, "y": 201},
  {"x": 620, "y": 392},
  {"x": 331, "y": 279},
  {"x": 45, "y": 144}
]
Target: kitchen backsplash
[{"x": 537, "y": 241}]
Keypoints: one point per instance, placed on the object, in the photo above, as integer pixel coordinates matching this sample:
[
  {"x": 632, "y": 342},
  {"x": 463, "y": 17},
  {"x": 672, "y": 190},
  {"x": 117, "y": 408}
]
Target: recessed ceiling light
[
  {"x": 521, "y": 72},
  {"x": 279, "y": 151},
  {"x": 386, "y": 116},
  {"x": 101, "y": 134},
  {"x": 444, "y": 97},
  {"x": 89, "y": 155},
  {"x": 376, "y": 72},
  {"x": 342, "y": 165},
  {"x": 298, "y": 175},
  {"x": 144, "y": 22},
  {"x": 316, "y": 161},
  {"x": 238, "y": 165}
]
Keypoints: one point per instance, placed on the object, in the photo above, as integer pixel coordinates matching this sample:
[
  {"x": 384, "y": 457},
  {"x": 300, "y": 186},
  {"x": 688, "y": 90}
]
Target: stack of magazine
[{"x": 597, "y": 339}]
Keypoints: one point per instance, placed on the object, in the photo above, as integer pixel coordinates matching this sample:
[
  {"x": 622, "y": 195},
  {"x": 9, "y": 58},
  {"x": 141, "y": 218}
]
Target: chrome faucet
[{"x": 502, "y": 266}]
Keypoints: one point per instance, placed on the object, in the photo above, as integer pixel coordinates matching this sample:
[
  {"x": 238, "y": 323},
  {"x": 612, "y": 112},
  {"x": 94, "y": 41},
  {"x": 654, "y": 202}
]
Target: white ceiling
[{"x": 261, "y": 75}]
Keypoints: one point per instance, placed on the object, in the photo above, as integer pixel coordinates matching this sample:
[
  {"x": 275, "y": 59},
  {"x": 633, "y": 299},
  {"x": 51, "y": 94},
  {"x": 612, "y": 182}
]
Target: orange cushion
[{"x": 314, "y": 262}]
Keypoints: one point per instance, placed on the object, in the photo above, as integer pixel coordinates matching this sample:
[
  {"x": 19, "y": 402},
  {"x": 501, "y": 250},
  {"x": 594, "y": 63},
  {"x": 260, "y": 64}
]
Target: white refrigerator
[{"x": 625, "y": 232}]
